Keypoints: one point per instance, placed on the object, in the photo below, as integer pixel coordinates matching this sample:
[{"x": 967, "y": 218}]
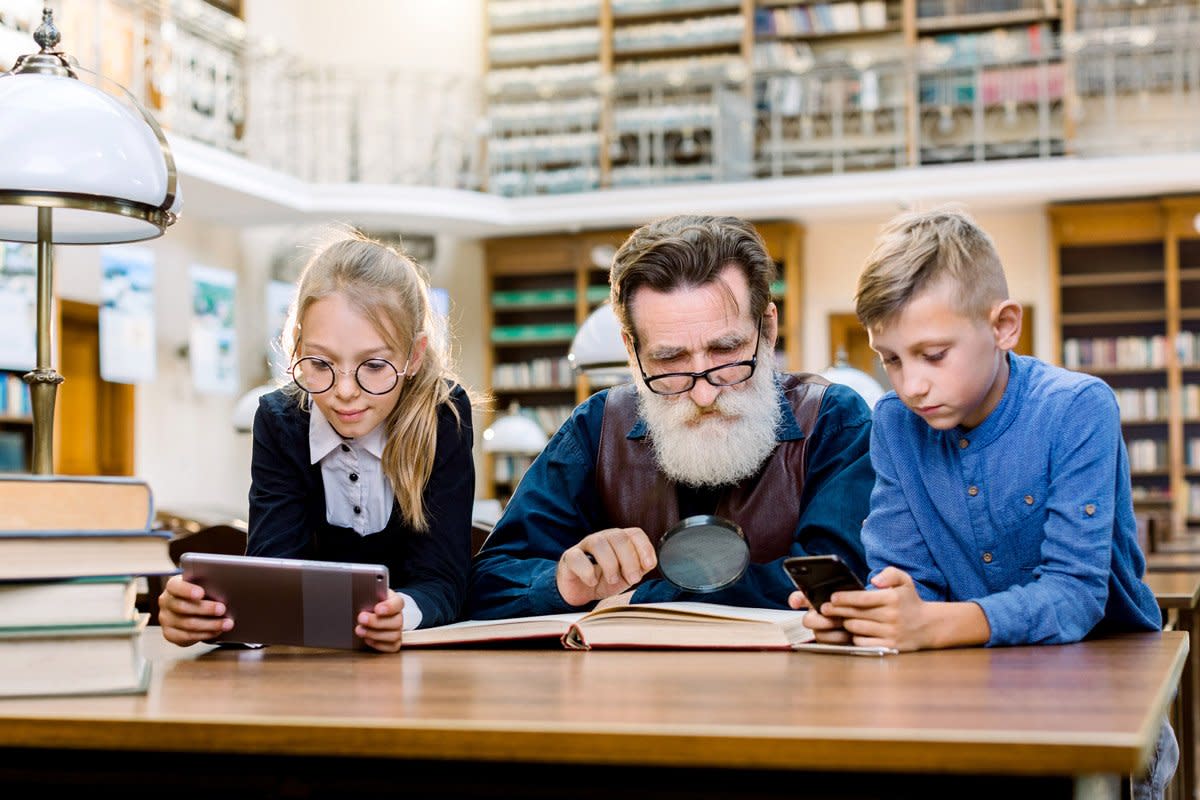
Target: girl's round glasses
[{"x": 374, "y": 376}]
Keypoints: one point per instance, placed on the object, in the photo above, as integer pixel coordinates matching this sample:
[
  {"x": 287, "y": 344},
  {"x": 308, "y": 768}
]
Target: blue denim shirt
[
  {"x": 1029, "y": 515},
  {"x": 557, "y": 504}
]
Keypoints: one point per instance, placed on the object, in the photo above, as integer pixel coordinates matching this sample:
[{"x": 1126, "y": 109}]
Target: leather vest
[{"x": 635, "y": 493}]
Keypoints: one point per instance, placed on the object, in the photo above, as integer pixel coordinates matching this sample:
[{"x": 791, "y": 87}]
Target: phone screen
[{"x": 820, "y": 576}]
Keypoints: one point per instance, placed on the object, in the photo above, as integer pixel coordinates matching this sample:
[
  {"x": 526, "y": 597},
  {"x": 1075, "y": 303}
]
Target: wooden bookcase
[
  {"x": 539, "y": 289},
  {"x": 16, "y": 423},
  {"x": 636, "y": 92},
  {"x": 1126, "y": 288}
]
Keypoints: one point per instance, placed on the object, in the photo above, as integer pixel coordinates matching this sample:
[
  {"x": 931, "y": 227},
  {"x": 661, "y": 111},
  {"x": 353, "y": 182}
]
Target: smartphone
[
  {"x": 820, "y": 576},
  {"x": 288, "y": 601}
]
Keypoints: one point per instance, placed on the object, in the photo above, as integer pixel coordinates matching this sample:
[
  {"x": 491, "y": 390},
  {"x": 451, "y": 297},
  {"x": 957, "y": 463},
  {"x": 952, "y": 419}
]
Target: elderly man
[{"x": 707, "y": 427}]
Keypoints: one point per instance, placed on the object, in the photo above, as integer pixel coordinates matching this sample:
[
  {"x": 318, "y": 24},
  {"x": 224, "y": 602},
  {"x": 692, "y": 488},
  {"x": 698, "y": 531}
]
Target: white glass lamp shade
[
  {"x": 246, "y": 407},
  {"x": 598, "y": 349},
  {"x": 102, "y": 166},
  {"x": 867, "y": 387},
  {"x": 514, "y": 433}
]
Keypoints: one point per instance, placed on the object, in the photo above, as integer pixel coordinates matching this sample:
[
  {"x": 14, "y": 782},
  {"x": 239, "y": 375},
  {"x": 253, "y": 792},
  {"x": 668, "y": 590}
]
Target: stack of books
[{"x": 71, "y": 552}]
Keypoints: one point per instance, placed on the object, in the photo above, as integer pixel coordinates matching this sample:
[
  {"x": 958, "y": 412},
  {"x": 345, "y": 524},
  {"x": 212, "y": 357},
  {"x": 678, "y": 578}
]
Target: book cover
[
  {"x": 73, "y": 660},
  {"x": 668, "y": 626},
  {"x": 48, "y": 503},
  {"x": 73, "y": 554},
  {"x": 74, "y": 601}
]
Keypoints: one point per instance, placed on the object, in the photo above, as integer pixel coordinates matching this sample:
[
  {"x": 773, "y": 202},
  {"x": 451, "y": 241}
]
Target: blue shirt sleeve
[
  {"x": 555, "y": 505},
  {"x": 833, "y": 505},
  {"x": 891, "y": 535},
  {"x": 1069, "y": 592}
]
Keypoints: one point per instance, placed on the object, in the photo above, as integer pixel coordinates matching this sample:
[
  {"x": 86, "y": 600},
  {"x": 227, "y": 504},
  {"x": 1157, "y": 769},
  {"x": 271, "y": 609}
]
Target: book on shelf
[
  {"x": 73, "y": 660},
  {"x": 71, "y": 601},
  {"x": 650, "y": 626}
]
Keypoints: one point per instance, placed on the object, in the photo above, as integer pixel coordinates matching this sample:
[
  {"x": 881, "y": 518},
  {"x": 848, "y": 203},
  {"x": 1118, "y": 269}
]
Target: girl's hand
[
  {"x": 382, "y": 626},
  {"x": 186, "y": 617}
]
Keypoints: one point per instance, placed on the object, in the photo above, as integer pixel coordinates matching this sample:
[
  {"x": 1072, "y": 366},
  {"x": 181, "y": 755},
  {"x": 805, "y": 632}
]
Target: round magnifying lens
[{"x": 704, "y": 553}]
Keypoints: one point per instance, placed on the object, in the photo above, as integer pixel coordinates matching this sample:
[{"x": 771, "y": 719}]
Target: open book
[{"x": 670, "y": 626}]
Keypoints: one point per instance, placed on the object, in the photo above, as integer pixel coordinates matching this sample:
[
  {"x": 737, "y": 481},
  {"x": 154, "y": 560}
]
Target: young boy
[{"x": 1002, "y": 512}]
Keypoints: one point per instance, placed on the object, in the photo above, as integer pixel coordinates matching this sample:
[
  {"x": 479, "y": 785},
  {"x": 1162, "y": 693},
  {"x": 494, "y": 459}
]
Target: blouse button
[
  {"x": 962, "y": 444},
  {"x": 1089, "y": 509},
  {"x": 358, "y": 509},
  {"x": 974, "y": 490},
  {"x": 345, "y": 448},
  {"x": 987, "y": 558},
  {"x": 353, "y": 476},
  {"x": 1028, "y": 499}
]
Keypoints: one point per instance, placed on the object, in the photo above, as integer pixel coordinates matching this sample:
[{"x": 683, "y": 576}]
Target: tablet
[{"x": 288, "y": 601}]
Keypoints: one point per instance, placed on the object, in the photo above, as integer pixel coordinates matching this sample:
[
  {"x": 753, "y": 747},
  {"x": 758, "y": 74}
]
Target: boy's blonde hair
[
  {"x": 915, "y": 251},
  {"x": 392, "y": 292}
]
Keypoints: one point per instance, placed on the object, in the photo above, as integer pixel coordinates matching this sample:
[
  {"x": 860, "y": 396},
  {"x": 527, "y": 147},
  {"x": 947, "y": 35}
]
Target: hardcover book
[{"x": 668, "y": 626}]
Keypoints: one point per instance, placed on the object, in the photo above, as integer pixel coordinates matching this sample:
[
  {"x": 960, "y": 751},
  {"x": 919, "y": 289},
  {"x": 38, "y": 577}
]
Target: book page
[{"x": 484, "y": 630}]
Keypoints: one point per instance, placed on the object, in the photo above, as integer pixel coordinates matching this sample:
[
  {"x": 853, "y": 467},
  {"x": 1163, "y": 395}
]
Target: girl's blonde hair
[{"x": 392, "y": 292}]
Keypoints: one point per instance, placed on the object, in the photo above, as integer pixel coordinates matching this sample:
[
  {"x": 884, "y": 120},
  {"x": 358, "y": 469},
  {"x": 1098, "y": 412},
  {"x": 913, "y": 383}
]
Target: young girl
[{"x": 366, "y": 456}]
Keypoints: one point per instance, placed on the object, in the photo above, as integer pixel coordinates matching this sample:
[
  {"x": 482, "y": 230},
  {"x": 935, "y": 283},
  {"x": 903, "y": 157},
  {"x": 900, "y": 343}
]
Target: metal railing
[{"x": 1128, "y": 81}]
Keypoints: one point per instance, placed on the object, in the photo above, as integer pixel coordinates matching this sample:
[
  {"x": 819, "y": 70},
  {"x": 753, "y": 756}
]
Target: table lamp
[
  {"x": 76, "y": 167},
  {"x": 598, "y": 350},
  {"x": 841, "y": 372},
  {"x": 514, "y": 434}
]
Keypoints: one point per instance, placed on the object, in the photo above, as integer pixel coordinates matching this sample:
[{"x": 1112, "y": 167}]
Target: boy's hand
[
  {"x": 826, "y": 630},
  {"x": 383, "y": 626},
  {"x": 892, "y": 616}
]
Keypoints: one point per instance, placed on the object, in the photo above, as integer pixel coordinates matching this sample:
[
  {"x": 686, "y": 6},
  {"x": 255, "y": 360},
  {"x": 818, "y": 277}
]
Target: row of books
[
  {"x": 994, "y": 86},
  {"x": 1147, "y": 455},
  {"x": 839, "y": 17},
  {"x": 1115, "y": 352},
  {"x": 537, "y": 372},
  {"x": 550, "y": 417},
  {"x": 1153, "y": 404},
  {"x": 72, "y": 551},
  {"x": 14, "y": 396},
  {"x": 1191, "y": 452},
  {"x": 997, "y": 46},
  {"x": 1144, "y": 405}
]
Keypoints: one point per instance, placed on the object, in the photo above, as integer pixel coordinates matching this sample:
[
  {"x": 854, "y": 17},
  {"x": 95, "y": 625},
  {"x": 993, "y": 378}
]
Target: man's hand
[
  {"x": 603, "y": 564},
  {"x": 383, "y": 626}
]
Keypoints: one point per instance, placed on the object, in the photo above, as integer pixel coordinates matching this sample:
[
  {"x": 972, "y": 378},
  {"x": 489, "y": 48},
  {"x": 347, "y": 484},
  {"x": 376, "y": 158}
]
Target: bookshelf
[
  {"x": 539, "y": 289},
  {"x": 990, "y": 80},
  {"x": 664, "y": 91},
  {"x": 1127, "y": 288},
  {"x": 831, "y": 86},
  {"x": 543, "y": 86},
  {"x": 16, "y": 424}
]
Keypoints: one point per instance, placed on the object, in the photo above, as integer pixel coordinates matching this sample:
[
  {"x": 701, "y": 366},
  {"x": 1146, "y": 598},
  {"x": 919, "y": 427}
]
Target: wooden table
[
  {"x": 1045, "y": 721},
  {"x": 1180, "y": 591},
  {"x": 1173, "y": 562}
]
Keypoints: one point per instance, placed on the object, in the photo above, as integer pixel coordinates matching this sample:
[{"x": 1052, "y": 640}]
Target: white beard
[{"x": 720, "y": 446}]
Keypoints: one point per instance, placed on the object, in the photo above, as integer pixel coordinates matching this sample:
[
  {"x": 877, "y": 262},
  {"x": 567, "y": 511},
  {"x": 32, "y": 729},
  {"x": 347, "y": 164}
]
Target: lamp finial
[{"x": 47, "y": 35}]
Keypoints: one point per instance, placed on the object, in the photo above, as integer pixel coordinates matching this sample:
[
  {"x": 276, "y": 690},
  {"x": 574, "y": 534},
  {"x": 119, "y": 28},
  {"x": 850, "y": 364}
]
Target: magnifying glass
[{"x": 704, "y": 553}]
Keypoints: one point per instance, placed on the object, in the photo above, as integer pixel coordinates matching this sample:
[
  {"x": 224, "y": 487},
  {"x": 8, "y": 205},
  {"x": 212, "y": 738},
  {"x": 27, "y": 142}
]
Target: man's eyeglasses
[
  {"x": 374, "y": 376},
  {"x": 721, "y": 375}
]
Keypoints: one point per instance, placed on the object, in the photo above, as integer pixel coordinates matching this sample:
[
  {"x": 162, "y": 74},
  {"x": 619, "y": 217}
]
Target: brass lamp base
[{"x": 43, "y": 389}]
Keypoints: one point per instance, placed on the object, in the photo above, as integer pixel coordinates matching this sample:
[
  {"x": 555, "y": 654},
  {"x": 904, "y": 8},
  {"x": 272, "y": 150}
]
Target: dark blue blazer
[{"x": 287, "y": 509}]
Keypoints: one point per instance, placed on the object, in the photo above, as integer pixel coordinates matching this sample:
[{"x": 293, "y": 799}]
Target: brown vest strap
[{"x": 636, "y": 494}]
